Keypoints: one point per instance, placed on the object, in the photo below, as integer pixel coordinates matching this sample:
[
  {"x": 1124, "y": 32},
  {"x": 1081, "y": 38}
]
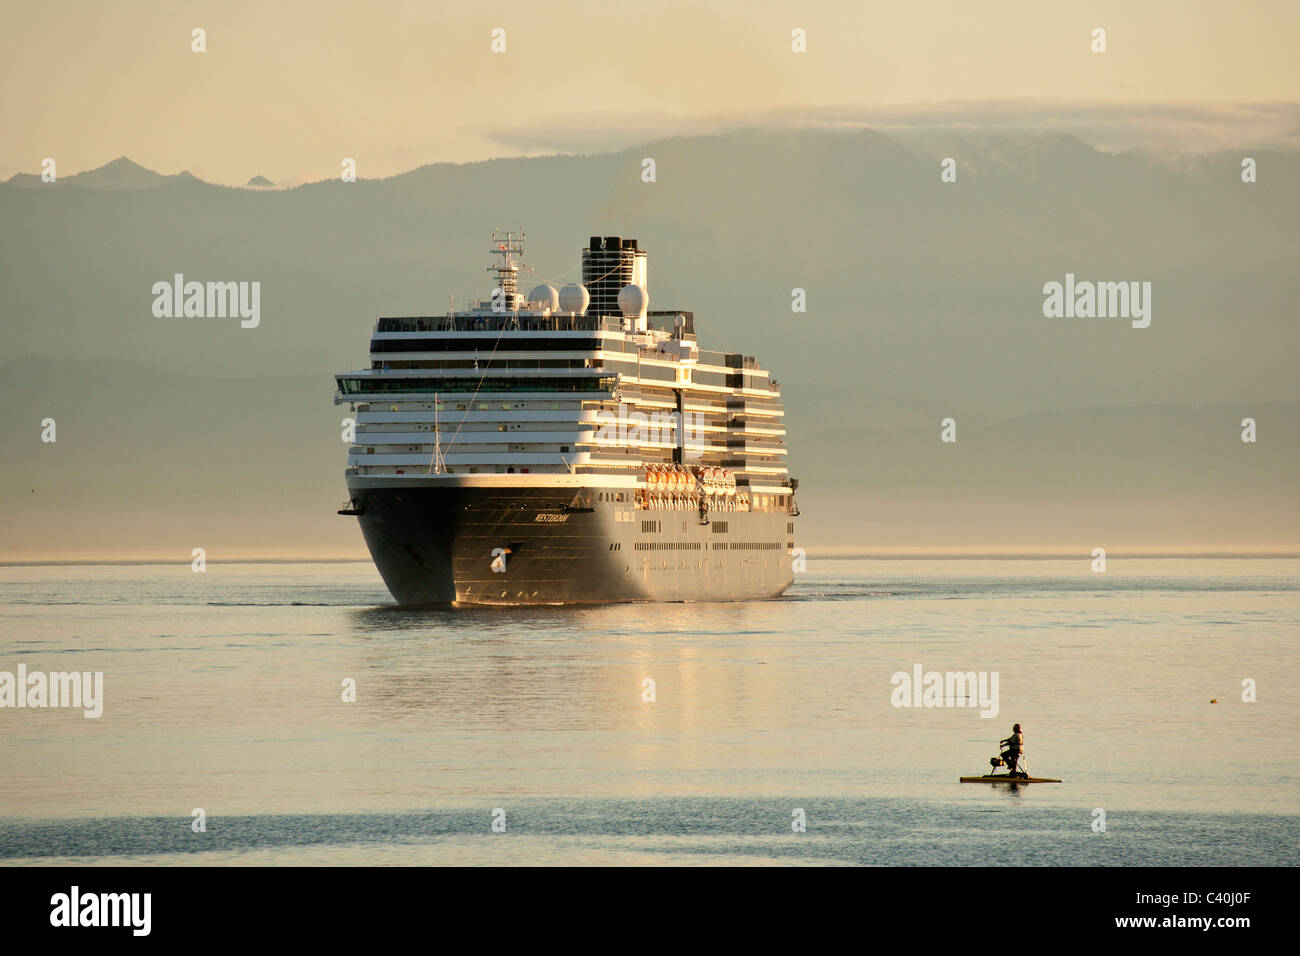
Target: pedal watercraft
[{"x": 1012, "y": 759}]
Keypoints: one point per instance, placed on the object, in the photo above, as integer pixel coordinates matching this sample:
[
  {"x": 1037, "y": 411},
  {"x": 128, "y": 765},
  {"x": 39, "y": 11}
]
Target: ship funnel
[{"x": 608, "y": 264}]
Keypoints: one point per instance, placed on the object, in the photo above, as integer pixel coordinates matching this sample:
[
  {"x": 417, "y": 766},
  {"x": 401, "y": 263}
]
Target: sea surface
[{"x": 223, "y": 692}]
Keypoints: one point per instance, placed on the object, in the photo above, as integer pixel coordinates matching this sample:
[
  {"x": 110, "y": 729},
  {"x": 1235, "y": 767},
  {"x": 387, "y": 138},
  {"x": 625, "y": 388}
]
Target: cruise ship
[{"x": 569, "y": 447}]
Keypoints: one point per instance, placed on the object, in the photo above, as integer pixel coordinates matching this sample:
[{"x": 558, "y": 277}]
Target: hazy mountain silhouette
[
  {"x": 924, "y": 301},
  {"x": 259, "y": 181},
  {"x": 121, "y": 173}
]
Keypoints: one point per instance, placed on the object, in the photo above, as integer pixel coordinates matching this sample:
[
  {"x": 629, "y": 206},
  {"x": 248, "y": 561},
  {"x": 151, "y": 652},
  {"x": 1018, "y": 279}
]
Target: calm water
[{"x": 222, "y": 692}]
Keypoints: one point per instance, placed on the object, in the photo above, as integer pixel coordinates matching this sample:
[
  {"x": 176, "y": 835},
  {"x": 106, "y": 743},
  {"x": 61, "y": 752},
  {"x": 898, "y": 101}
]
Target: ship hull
[{"x": 532, "y": 545}]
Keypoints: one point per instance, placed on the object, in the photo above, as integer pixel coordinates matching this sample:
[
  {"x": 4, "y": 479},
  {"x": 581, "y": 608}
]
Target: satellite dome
[
  {"x": 633, "y": 301},
  {"x": 546, "y": 296},
  {"x": 574, "y": 298}
]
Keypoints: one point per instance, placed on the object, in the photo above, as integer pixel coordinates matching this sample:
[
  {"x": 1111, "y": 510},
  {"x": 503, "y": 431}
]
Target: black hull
[{"x": 438, "y": 545}]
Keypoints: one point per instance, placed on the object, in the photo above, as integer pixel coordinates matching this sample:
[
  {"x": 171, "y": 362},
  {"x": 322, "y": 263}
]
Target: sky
[{"x": 288, "y": 89}]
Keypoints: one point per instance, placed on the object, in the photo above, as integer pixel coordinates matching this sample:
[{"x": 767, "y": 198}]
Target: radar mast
[{"x": 510, "y": 247}]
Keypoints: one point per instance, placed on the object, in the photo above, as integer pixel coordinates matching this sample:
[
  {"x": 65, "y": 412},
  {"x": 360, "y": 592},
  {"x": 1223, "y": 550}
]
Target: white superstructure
[{"x": 581, "y": 386}]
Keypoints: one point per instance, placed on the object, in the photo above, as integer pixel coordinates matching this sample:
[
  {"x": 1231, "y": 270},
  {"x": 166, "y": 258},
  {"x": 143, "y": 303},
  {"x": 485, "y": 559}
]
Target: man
[{"x": 1013, "y": 746}]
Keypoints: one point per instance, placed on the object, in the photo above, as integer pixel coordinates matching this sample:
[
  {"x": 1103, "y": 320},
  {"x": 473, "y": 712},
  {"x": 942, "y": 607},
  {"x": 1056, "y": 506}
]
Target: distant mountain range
[
  {"x": 121, "y": 173},
  {"x": 924, "y": 301}
]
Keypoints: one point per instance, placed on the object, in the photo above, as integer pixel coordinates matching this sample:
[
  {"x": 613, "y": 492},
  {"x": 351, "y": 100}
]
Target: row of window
[
  {"x": 486, "y": 406},
  {"x": 499, "y": 323},
  {"x": 699, "y": 546},
  {"x": 566, "y": 344},
  {"x": 488, "y": 345},
  {"x": 370, "y": 386},
  {"x": 482, "y": 365}
]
